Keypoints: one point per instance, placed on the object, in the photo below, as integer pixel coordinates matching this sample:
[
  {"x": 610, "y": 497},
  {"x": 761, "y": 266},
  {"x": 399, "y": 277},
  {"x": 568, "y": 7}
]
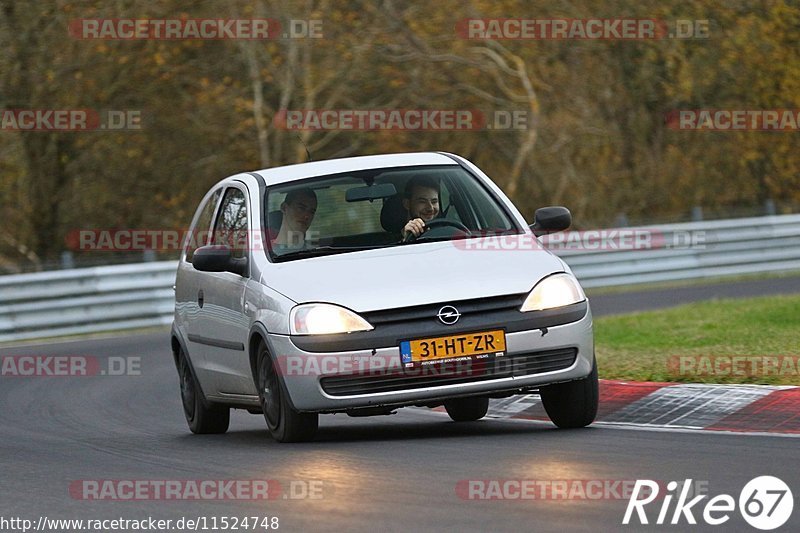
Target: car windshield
[{"x": 368, "y": 209}]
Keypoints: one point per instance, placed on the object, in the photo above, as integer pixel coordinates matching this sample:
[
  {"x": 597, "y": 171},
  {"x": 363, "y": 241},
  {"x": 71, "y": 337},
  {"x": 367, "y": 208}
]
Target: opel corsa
[{"x": 366, "y": 284}]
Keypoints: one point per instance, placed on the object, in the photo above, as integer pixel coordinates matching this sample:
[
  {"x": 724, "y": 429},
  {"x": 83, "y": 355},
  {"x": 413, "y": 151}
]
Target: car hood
[{"x": 410, "y": 275}]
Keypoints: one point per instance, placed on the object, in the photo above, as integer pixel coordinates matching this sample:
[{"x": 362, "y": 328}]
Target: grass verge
[{"x": 751, "y": 340}]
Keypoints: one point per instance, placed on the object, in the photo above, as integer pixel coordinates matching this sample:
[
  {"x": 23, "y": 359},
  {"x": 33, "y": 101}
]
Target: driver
[{"x": 421, "y": 200}]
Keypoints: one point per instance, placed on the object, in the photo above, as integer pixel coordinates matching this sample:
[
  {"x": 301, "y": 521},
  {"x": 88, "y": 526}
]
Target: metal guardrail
[
  {"x": 728, "y": 247},
  {"x": 109, "y": 298},
  {"x": 86, "y": 300}
]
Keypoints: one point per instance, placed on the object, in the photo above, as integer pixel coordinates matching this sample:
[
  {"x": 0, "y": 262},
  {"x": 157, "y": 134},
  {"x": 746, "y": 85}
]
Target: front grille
[
  {"x": 471, "y": 371},
  {"x": 428, "y": 312}
]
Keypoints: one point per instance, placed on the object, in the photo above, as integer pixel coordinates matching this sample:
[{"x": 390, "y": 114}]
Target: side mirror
[
  {"x": 551, "y": 220},
  {"x": 216, "y": 258}
]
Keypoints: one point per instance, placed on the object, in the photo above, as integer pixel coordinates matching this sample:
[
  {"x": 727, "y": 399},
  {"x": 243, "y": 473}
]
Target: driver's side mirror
[
  {"x": 550, "y": 220},
  {"x": 217, "y": 258}
]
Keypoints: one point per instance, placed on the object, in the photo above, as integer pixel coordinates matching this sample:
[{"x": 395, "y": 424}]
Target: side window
[
  {"x": 200, "y": 232},
  {"x": 231, "y": 226}
]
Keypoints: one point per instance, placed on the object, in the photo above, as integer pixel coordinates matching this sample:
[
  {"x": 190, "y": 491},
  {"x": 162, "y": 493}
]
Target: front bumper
[{"x": 304, "y": 371}]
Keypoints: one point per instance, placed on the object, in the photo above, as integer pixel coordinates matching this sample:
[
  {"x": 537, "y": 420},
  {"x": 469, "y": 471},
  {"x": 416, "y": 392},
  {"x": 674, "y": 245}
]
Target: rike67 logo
[{"x": 765, "y": 502}]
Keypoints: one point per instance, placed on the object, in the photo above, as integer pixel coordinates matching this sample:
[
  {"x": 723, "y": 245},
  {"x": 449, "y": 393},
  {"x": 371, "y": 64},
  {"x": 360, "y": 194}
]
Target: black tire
[
  {"x": 572, "y": 404},
  {"x": 202, "y": 417},
  {"x": 284, "y": 423},
  {"x": 467, "y": 409}
]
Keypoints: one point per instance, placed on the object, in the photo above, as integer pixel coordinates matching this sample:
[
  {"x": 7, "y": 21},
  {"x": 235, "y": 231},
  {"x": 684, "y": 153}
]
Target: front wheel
[
  {"x": 284, "y": 423},
  {"x": 572, "y": 404},
  {"x": 467, "y": 409},
  {"x": 202, "y": 417}
]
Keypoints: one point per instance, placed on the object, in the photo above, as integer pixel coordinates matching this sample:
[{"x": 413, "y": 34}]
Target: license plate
[{"x": 462, "y": 345}]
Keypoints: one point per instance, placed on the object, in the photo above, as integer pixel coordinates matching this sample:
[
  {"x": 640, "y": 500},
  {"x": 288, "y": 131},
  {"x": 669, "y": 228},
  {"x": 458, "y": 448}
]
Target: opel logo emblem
[{"x": 448, "y": 315}]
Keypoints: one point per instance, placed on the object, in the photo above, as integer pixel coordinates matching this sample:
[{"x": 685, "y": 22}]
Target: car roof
[{"x": 285, "y": 174}]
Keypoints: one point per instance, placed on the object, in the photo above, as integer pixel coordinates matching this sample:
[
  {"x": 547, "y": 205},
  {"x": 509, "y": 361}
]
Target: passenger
[
  {"x": 421, "y": 200},
  {"x": 298, "y": 210}
]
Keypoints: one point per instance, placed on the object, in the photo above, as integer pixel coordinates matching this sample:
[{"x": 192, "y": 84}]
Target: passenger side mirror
[
  {"x": 551, "y": 220},
  {"x": 217, "y": 258}
]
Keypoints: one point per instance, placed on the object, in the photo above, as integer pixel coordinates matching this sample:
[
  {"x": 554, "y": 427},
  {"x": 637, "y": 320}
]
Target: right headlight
[
  {"x": 554, "y": 291},
  {"x": 324, "y": 319}
]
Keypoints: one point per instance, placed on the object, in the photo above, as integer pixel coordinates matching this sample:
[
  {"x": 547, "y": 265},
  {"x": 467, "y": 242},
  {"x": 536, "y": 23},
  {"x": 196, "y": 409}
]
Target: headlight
[
  {"x": 553, "y": 291},
  {"x": 321, "y": 319}
]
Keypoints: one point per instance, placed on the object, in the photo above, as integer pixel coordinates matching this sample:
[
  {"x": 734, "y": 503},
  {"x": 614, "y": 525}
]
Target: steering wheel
[{"x": 439, "y": 223}]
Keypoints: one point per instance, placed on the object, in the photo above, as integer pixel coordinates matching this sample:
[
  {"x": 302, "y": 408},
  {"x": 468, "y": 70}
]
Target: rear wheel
[
  {"x": 284, "y": 423},
  {"x": 572, "y": 404},
  {"x": 202, "y": 417},
  {"x": 467, "y": 409}
]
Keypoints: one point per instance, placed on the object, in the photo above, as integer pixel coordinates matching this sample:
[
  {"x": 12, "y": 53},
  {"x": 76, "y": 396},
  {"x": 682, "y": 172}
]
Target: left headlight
[
  {"x": 554, "y": 291},
  {"x": 321, "y": 319}
]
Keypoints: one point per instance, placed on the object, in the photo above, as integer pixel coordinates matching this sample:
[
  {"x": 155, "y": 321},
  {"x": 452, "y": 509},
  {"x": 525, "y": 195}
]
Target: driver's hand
[{"x": 416, "y": 226}]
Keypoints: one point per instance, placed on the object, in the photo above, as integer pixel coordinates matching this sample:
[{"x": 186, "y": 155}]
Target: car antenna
[{"x": 306, "y": 147}]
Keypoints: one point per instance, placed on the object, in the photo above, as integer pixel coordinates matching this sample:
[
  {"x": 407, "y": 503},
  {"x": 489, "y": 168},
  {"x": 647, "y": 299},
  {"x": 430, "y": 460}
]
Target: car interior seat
[
  {"x": 274, "y": 221},
  {"x": 393, "y": 214}
]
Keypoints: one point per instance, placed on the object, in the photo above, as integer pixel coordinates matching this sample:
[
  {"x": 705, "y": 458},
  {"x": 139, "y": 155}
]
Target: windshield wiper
[
  {"x": 475, "y": 234},
  {"x": 323, "y": 250},
  {"x": 455, "y": 237}
]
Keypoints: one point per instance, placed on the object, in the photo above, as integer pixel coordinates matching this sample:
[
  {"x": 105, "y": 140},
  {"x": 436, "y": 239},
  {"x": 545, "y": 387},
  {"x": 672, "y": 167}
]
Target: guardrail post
[
  {"x": 67, "y": 261},
  {"x": 697, "y": 213}
]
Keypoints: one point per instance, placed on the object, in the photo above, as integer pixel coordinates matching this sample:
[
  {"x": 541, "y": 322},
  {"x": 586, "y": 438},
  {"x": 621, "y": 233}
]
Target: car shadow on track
[
  {"x": 428, "y": 430},
  {"x": 349, "y": 431}
]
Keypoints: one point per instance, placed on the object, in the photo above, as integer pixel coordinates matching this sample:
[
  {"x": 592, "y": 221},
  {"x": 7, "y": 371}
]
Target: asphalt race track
[
  {"x": 631, "y": 302},
  {"x": 405, "y": 472}
]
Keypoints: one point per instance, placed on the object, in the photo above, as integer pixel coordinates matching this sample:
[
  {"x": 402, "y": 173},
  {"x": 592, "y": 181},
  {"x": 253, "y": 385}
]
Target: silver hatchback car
[{"x": 365, "y": 284}]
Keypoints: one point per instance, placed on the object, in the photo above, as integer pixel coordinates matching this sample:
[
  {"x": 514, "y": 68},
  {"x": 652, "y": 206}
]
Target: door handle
[{"x": 200, "y": 298}]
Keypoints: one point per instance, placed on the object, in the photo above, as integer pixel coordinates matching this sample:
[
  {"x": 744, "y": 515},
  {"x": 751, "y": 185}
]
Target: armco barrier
[
  {"x": 86, "y": 300},
  {"x": 725, "y": 247},
  {"x": 92, "y": 300}
]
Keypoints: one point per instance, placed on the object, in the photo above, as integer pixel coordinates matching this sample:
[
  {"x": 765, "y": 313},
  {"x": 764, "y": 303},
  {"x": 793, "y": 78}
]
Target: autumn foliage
[{"x": 596, "y": 134}]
